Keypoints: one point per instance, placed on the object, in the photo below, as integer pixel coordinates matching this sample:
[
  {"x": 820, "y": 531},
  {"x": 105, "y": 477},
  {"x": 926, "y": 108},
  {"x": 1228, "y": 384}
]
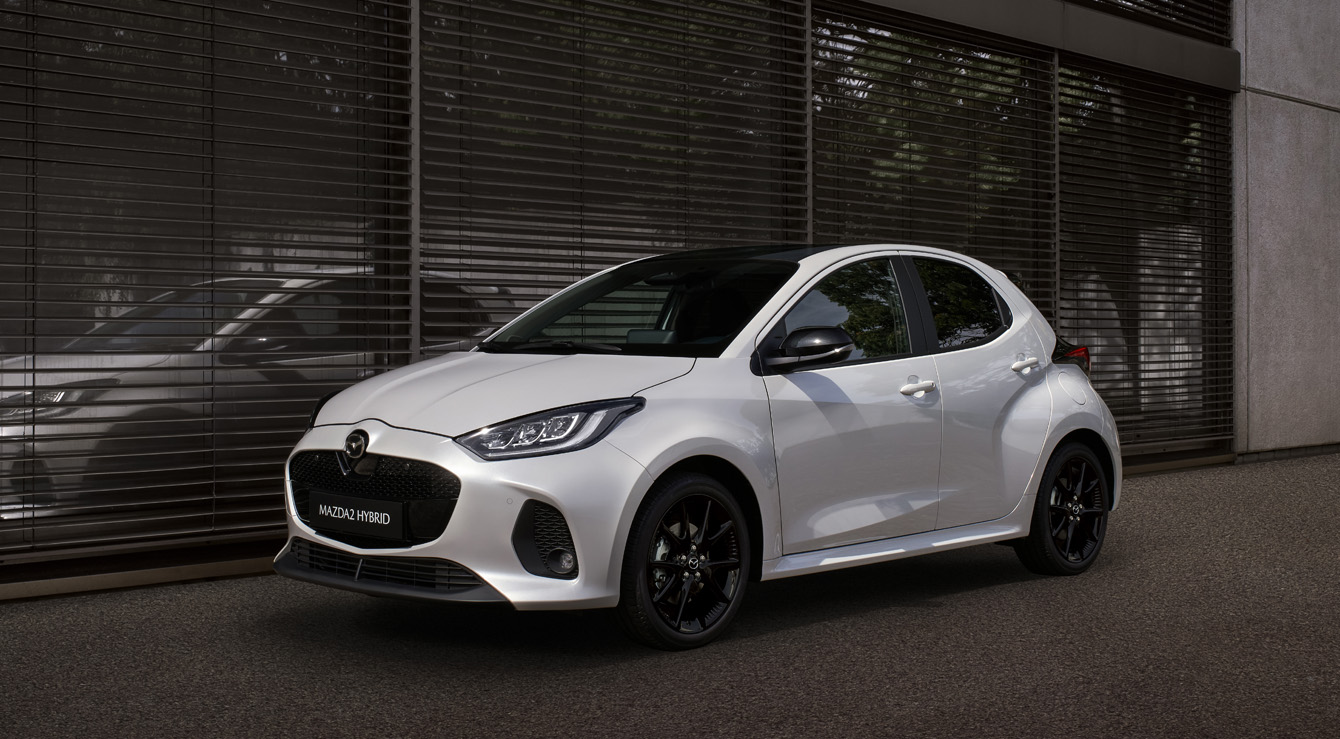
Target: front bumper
[
  {"x": 415, "y": 578},
  {"x": 595, "y": 489}
]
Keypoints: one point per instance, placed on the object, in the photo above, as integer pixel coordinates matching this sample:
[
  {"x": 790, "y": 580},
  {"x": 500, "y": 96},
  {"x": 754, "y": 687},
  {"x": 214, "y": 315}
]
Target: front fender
[{"x": 718, "y": 410}]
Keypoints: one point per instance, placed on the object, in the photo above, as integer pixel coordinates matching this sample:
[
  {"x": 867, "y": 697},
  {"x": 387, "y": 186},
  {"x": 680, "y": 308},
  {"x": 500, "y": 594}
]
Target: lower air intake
[
  {"x": 543, "y": 542},
  {"x": 439, "y": 575}
]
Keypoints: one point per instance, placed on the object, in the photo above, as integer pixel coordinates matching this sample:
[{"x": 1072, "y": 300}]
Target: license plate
[{"x": 384, "y": 519}]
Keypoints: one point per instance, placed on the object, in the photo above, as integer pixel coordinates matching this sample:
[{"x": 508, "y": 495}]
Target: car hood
[{"x": 458, "y": 393}]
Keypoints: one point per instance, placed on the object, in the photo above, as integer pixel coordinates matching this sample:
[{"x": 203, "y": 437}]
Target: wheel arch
[
  {"x": 1094, "y": 441},
  {"x": 738, "y": 484}
]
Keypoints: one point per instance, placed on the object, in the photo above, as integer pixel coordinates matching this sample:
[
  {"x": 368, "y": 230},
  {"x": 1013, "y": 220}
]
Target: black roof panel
[{"x": 775, "y": 252}]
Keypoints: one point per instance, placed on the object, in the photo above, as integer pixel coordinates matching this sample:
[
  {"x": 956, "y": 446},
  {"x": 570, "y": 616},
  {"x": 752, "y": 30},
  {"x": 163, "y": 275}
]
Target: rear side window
[{"x": 966, "y": 310}]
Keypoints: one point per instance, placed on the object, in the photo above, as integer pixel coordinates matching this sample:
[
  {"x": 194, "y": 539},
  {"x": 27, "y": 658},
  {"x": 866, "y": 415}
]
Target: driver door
[{"x": 858, "y": 448}]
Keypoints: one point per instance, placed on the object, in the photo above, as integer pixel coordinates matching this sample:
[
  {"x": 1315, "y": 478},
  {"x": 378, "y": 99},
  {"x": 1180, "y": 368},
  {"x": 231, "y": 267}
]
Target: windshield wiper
[{"x": 566, "y": 347}]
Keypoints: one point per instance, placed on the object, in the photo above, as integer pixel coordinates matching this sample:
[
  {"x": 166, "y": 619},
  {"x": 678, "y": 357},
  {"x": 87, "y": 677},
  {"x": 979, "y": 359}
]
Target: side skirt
[{"x": 1012, "y": 526}]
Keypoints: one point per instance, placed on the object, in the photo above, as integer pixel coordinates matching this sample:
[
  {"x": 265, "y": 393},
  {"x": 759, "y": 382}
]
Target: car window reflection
[{"x": 862, "y": 299}]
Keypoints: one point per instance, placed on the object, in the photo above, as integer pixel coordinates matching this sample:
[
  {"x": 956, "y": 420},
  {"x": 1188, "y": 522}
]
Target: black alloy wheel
[
  {"x": 686, "y": 564},
  {"x": 1070, "y": 515}
]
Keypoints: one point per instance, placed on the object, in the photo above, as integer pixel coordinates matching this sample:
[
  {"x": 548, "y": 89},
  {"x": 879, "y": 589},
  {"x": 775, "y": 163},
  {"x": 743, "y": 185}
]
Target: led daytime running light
[{"x": 551, "y": 432}]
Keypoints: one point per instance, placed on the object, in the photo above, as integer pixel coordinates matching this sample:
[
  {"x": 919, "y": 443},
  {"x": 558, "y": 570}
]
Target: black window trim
[{"x": 916, "y": 306}]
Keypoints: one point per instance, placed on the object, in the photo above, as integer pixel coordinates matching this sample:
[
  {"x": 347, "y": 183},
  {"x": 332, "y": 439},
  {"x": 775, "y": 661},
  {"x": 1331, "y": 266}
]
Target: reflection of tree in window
[
  {"x": 963, "y": 305},
  {"x": 863, "y": 300}
]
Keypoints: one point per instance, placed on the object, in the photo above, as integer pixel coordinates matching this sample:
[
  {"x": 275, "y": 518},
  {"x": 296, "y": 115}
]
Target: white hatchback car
[{"x": 659, "y": 434}]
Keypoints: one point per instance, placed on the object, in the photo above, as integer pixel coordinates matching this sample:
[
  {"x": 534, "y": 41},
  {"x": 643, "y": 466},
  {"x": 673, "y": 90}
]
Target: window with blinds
[
  {"x": 927, "y": 136},
  {"x": 203, "y": 228},
  {"x": 1146, "y": 251},
  {"x": 560, "y": 138},
  {"x": 206, "y": 210},
  {"x": 944, "y": 138},
  {"x": 1210, "y": 20}
]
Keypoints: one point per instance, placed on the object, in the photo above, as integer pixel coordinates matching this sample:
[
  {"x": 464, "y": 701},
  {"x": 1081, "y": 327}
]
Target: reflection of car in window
[
  {"x": 455, "y": 316},
  {"x": 118, "y": 424},
  {"x": 172, "y": 322}
]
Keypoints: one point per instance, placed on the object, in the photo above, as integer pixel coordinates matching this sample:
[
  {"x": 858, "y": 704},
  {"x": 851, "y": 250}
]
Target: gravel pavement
[{"x": 1211, "y": 613}]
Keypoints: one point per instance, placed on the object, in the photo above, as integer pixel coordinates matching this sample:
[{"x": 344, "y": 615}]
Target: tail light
[{"x": 1067, "y": 353}]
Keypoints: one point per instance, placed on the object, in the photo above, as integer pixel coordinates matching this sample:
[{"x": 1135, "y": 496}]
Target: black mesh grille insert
[
  {"x": 540, "y": 530},
  {"x": 428, "y": 491},
  {"x": 551, "y": 532},
  {"x": 420, "y": 572},
  {"x": 377, "y": 477}
]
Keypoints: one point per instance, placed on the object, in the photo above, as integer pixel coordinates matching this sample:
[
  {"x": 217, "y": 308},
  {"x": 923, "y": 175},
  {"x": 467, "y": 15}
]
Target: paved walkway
[{"x": 1213, "y": 613}]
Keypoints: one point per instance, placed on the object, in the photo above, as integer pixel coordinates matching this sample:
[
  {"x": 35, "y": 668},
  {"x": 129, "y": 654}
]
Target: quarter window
[
  {"x": 967, "y": 311},
  {"x": 863, "y": 299}
]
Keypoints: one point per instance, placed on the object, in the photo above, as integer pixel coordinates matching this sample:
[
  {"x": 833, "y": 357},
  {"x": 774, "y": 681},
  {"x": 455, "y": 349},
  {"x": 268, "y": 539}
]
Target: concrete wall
[{"x": 1287, "y": 251}]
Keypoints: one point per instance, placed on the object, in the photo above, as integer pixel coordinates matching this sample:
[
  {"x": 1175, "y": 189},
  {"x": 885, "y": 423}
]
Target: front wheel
[
  {"x": 1070, "y": 515},
  {"x": 686, "y": 564}
]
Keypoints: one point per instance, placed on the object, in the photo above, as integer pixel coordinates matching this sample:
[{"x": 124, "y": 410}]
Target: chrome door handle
[
  {"x": 1024, "y": 364},
  {"x": 917, "y": 387}
]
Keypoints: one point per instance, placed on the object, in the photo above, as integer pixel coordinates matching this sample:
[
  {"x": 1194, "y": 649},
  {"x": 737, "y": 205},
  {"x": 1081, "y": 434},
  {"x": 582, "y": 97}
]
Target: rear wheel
[
  {"x": 686, "y": 564},
  {"x": 1070, "y": 515}
]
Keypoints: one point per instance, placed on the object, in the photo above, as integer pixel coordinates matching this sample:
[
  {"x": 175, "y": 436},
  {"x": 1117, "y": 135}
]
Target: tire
[
  {"x": 683, "y": 581},
  {"x": 1070, "y": 515}
]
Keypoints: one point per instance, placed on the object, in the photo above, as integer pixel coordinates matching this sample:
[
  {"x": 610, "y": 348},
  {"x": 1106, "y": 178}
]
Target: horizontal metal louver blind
[
  {"x": 563, "y": 137},
  {"x": 1146, "y": 251},
  {"x": 203, "y": 228},
  {"x": 930, "y": 137},
  {"x": 1207, "y": 19}
]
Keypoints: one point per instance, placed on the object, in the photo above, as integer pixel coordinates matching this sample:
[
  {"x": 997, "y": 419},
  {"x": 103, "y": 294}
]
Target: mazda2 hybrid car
[{"x": 660, "y": 434}]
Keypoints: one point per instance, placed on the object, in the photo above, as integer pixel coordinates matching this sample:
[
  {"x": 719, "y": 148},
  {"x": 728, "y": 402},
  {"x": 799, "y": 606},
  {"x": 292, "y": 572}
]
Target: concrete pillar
[{"x": 1287, "y": 250}]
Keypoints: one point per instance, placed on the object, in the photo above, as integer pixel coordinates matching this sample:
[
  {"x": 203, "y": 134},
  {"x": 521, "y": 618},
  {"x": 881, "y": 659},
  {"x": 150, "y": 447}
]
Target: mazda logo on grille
[{"x": 355, "y": 445}]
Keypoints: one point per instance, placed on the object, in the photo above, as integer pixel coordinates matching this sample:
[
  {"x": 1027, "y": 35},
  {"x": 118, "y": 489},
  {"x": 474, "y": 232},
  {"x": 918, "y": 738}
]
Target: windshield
[
  {"x": 176, "y": 321},
  {"x": 662, "y": 307}
]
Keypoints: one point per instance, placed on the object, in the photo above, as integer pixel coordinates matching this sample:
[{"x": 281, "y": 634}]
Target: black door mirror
[
  {"x": 809, "y": 347},
  {"x": 252, "y": 350}
]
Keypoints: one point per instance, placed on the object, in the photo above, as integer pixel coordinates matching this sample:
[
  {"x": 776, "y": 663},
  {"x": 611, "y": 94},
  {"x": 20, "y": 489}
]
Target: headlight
[
  {"x": 551, "y": 432},
  {"x": 28, "y": 402}
]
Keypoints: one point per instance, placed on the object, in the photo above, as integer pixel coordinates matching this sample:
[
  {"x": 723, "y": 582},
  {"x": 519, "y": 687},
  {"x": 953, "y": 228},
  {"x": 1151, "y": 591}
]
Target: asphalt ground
[{"x": 1211, "y": 613}]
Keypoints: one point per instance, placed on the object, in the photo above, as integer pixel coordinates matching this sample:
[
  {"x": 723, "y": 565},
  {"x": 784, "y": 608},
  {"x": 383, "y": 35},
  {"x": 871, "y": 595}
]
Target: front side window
[
  {"x": 862, "y": 299},
  {"x": 690, "y": 307},
  {"x": 966, "y": 309}
]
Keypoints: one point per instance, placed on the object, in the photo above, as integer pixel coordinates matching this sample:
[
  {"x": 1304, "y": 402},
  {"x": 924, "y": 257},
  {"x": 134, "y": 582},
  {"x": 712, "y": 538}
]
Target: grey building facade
[
  {"x": 212, "y": 214},
  {"x": 1287, "y": 175}
]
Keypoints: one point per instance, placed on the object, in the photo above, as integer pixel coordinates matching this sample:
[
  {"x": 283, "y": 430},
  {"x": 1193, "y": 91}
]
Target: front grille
[
  {"x": 392, "y": 478},
  {"x": 439, "y": 575},
  {"x": 428, "y": 491}
]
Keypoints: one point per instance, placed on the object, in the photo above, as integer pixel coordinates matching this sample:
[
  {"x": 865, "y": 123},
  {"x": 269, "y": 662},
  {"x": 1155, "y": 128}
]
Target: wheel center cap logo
[
  {"x": 355, "y": 445},
  {"x": 693, "y": 563}
]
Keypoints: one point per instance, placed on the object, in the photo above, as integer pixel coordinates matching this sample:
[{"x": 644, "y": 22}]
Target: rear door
[{"x": 991, "y": 365}]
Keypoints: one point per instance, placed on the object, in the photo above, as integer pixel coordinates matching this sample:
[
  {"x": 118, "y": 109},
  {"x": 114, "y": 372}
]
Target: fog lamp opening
[{"x": 561, "y": 561}]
